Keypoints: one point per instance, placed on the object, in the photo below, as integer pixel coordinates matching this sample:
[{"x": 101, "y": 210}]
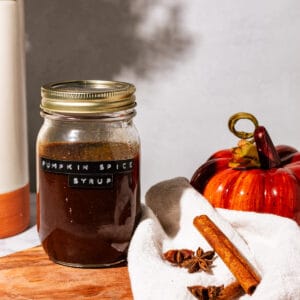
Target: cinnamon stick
[
  {"x": 235, "y": 261},
  {"x": 231, "y": 291}
]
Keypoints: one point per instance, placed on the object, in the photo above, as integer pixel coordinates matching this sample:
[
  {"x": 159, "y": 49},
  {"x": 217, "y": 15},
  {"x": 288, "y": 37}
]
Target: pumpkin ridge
[{"x": 218, "y": 187}]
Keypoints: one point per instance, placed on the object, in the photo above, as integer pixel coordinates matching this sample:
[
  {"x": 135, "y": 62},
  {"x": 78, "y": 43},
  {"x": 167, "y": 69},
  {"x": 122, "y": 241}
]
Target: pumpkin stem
[
  {"x": 267, "y": 153},
  {"x": 259, "y": 152},
  {"x": 245, "y": 155}
]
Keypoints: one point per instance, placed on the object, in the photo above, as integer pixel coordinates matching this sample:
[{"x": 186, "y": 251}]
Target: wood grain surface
[{"x": 30, "y": 274}]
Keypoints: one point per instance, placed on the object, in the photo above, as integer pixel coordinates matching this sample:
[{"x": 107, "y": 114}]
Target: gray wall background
[
  {"x": 194, "y": 63},
  {"x": 90, "y": 39}
]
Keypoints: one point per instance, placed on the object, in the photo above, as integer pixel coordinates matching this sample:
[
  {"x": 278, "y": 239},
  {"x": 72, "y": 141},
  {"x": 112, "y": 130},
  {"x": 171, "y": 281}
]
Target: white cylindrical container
[{"x": 14, "y": 187}]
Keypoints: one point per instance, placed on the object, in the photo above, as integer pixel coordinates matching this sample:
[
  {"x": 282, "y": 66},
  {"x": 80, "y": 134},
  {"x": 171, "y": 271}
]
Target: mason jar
[{"x": 88, "y": 182}]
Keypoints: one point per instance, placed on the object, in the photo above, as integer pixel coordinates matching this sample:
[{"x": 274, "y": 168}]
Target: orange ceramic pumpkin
[{"x": 255, "y": 176}]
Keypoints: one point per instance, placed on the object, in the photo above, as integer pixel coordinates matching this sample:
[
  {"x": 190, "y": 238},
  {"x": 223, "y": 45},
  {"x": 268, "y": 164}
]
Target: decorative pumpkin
[{"x": 254, "y": 176}]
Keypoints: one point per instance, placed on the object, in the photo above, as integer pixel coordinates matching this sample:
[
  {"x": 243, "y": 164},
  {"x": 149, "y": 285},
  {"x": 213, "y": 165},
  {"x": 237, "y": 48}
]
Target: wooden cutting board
[{"x": 30, "y": 274}]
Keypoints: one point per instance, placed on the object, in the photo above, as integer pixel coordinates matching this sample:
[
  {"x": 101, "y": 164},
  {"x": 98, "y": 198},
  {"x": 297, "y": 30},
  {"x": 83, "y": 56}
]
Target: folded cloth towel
[{"x": 269, "y": 242}]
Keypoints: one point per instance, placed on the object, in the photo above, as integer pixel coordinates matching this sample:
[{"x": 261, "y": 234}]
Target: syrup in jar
[{"x": 88, "y": 187}]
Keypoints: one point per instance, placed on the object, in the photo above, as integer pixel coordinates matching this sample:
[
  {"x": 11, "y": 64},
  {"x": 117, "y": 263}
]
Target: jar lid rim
[{"x": 87, "y": 96}]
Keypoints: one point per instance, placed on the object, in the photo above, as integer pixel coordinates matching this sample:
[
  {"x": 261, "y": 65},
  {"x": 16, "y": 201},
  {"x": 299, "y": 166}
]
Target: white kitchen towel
[{"x": 269, "y": 242}]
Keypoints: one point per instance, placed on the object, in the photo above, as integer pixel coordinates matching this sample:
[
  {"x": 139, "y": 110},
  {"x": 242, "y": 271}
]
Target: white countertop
[{"x": 27, "y": 239}]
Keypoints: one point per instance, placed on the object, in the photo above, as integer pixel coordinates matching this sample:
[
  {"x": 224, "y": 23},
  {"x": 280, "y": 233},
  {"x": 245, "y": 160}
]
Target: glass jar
[{"x": 88, "y": 189}]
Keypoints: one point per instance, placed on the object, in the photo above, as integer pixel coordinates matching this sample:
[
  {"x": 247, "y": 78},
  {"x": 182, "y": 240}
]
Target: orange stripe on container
[{"x": 14, "y": 212}]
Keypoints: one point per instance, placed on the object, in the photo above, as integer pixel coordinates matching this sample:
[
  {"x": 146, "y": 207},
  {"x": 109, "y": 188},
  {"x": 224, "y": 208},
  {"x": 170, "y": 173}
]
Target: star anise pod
[
  {"x": 177, "y": 256},
  {"x": 200, "y": 261},
  {"x": 206, "y": 293}
]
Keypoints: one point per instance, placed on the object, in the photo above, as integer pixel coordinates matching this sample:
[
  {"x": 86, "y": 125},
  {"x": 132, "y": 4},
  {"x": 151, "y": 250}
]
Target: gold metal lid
[{"x": 87, "y": 97}]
